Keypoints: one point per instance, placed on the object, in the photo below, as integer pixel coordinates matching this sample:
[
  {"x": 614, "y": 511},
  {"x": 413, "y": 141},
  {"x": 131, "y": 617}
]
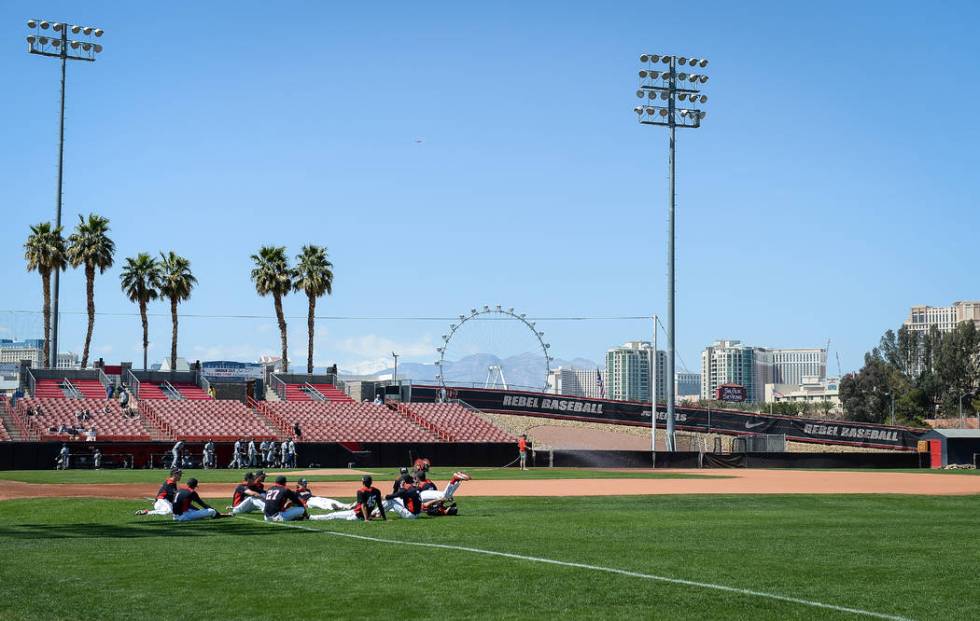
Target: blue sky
[{"x": 833, "y": 183}]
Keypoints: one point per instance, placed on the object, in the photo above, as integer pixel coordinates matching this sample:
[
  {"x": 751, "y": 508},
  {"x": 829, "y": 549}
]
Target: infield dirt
[{"x": 727, "y": 482}]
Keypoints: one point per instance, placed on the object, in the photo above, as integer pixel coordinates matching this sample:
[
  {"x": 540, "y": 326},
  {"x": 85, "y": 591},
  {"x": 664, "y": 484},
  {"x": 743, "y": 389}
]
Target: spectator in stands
[
  {"x": 124, "y": 397},
  {"x": 212, "y": 392},
  {"x": 378, "y": 400},
  {"x": 297, "y": 431},
  {"x": 90, "y": 435},
  {"x": 109, "y": 390},
  {"x": 105, "y": 408}
]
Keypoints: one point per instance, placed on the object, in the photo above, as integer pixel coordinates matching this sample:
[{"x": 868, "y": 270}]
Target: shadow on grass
[{"x": 142, "y": 530}]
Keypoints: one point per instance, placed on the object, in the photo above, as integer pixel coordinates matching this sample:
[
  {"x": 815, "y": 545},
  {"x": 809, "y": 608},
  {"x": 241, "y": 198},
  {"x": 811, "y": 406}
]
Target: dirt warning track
[{"x": 723, "y": 482}]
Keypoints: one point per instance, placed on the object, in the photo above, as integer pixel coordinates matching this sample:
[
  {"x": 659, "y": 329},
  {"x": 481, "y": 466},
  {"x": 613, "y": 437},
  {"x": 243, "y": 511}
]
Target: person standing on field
[{"x": 522, "y": 450}]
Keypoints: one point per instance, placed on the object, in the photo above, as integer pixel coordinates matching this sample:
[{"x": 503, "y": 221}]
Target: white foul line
[{"x": 610, "y": 570}]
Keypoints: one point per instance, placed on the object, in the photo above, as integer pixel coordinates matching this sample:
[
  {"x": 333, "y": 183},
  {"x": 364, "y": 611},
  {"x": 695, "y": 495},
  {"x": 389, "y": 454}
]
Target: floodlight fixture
[
  {"x": 675, "y": 86},
  {"x": 61, "y": 47}
]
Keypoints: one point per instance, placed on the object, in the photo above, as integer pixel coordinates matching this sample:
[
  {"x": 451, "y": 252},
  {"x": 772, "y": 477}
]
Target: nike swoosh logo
[{"x": 749, "y": 425}]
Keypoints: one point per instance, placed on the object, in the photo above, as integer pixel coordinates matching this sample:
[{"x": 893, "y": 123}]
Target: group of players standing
[
  {"x": 268, "y": 454},
  {"x": 413, "y": 495}
]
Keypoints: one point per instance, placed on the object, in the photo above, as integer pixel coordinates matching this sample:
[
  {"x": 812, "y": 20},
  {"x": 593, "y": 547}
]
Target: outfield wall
[
  {"x": 42, "y": 455},
  {"x": 689, "y": 459}
]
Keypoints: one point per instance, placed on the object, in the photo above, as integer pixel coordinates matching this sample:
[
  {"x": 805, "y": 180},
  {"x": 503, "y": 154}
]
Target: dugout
[{"x": 956, "y": 446}]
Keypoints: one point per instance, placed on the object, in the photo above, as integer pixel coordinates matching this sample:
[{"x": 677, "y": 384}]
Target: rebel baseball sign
[{"x": 686, "y": 418}]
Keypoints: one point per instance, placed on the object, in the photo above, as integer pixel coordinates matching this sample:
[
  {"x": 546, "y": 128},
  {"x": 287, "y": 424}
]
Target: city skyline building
[
  {"x": 922, "y": 317},
  {"x": 628, "y": 372},
  {"x": 790, "y": 366},
  {"x": 576, "y": 382},
  {"x": 13, "y": 352}
]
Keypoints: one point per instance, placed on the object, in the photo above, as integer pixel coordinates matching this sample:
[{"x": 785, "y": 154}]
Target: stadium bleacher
[
  {"x": 49, "y": 389},
  {"x": 459, "y": 423},
  {"x": 198, "y": 419},
  {"x": 297, "y": 392},
  {"x": 151, "y": 390},
  {"x": 332, "y": 393},
  {"x": 55, "y": 412},
  {"x": 191, "y": 392},
  {"x": 327, "y": 421}
]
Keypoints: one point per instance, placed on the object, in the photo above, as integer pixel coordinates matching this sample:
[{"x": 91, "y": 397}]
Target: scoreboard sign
[{"x": 731, "y": 392}]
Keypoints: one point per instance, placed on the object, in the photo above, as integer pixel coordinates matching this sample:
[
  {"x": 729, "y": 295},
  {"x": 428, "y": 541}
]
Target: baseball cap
[
  {"x": 176, "y": 471},
  {"x": 403, "y": 470},
  {"x": 259, "y": 473},
  {"x": 367, "y": 480},
  {"x": 280, "y": 480},
  {"x": 192, "y": 482},
  {"x": 303, "y": 482},
  {"x": 421, "y": 476}
]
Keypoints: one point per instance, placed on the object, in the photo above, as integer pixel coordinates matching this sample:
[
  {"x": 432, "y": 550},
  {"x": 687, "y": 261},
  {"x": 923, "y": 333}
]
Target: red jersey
[{"x": 521, "y": 445}]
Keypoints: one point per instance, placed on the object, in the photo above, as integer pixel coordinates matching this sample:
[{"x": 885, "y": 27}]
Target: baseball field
[{"x": 581, "y": 544}]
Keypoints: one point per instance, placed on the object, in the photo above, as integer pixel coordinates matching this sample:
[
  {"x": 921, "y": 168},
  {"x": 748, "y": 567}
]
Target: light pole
[
  {"x": 667, "y": 85},
  {"x": 394, "y": 375},
  {"x": 57, "y": 46}
]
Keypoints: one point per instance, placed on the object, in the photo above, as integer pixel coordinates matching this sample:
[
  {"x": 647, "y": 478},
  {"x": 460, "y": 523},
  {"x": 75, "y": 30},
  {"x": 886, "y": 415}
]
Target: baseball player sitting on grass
[
  {"x": 248, "y": 497},
  {"x": 283, "y": 504},
  {"x": 187, "y": 497},
  {"x": 318, "y": 502},
  {"x": 368, "y": 500},
  {"x": 164, "y": 503}
]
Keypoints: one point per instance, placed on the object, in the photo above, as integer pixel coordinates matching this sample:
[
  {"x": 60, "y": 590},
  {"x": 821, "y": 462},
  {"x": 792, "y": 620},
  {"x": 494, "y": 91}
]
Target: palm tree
[
  {"x": 272, "y": 276},
  {"x": 45, "y": 253},
  {"x": 176, "y": 282},
  {"x": 314, "y": 275},
  {"x": 139, "y": 281},
  {"x": 90, "y": 246}
]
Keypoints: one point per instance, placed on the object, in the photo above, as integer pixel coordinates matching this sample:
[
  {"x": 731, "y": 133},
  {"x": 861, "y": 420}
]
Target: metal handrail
[
  {"x": 309, "y": 388},
  {"x": 173, "y": 390},
  {"x": 134, "y": 383},
  {"x": 278, "y": 386}
]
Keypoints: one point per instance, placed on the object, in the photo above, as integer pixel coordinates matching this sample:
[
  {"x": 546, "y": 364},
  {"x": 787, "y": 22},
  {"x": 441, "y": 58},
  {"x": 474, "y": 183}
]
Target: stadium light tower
[
  {"x": 56, "y": 44},
  {"x": 672, "y": 98}
]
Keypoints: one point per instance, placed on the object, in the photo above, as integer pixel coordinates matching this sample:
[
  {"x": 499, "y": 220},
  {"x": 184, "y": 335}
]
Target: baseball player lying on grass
[
  {"x": 164, "y": 503},
  {"x": 407, "y": 502},
  {"x": 368, "y": 506},
  {"x": 249, "y": 495},
  {"x": 319, "y": 502},
  {"x": 283, "y": 504},
  {"x": 187, "y": 497}
]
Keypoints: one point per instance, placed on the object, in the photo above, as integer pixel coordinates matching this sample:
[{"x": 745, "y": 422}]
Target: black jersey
[
  {"x": 239, "y": 494},
  {"x": 258, "y": 488},
  {"x": 167, "y": 491},
  {"x": 410, "y": 496},
  {"x": 369, "y": 497},
  {"x": 186, "y": 496},
  {"x": 276, "y": 497},
  {"x": 304, "y": 493},
  {"x": 425, "y": 486}
]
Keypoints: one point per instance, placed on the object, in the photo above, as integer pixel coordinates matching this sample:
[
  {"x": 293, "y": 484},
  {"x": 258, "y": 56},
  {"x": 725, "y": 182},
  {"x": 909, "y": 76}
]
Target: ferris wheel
[{"x": 496, "y": 325}]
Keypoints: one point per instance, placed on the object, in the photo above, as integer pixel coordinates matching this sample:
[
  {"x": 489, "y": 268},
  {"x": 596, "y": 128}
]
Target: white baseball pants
[
  {"x": 162, "y": 506},
  {"x": 249, "y": 505},
  {"x": 326, "y": 504}
]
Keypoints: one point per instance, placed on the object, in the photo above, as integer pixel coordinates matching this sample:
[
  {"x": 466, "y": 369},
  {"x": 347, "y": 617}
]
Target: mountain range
[{"x": 523, "y": 370}]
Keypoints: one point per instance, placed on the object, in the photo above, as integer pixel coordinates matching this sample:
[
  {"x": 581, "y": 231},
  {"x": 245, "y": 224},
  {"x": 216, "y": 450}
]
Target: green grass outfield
[
  {"x": 904, "y": 556},
  {"x": 380, "y": 474}
]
